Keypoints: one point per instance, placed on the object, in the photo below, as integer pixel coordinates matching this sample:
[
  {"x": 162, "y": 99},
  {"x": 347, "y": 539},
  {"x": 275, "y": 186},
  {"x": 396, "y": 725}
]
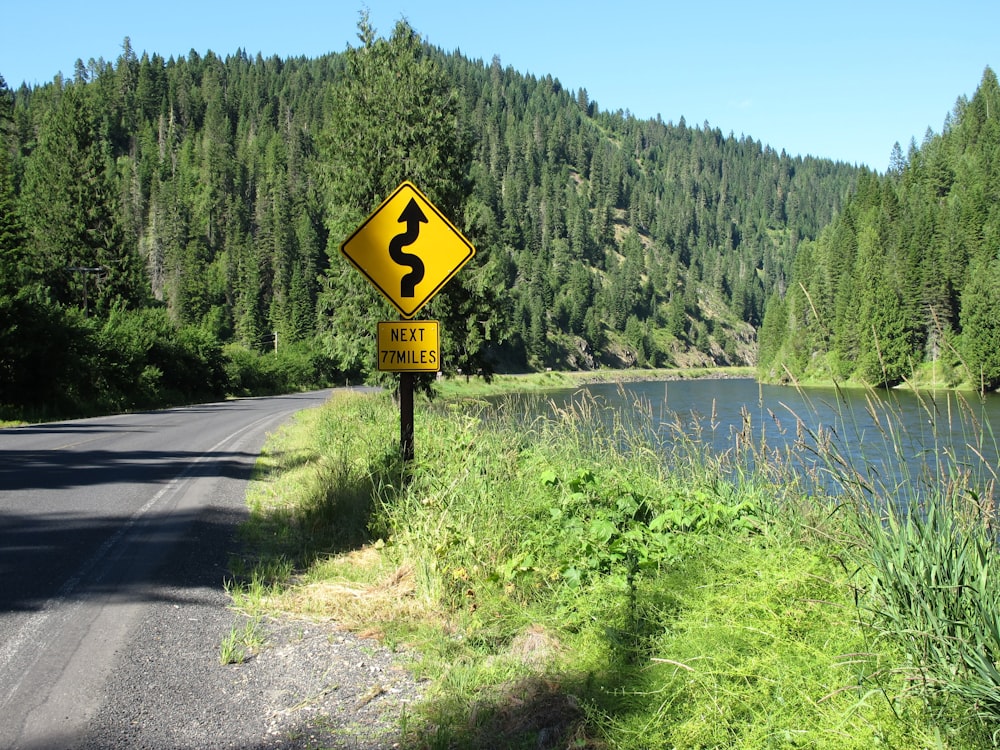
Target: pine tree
[
  {"x": 208, "y": 167},
  {"x": 12, "y": 232},
  {"x": 980, "y": 318},
  {"x": 70, "y": 211},
  {"x": 393, "y": 116}
]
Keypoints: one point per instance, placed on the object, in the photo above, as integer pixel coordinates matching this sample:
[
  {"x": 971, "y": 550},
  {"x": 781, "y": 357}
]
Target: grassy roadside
[{"x": 560, "y": 585}]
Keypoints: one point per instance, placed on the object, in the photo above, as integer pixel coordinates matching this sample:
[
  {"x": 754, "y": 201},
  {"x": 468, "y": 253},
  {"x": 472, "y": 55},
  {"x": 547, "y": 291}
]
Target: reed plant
[{"x": 931, "y": 586}]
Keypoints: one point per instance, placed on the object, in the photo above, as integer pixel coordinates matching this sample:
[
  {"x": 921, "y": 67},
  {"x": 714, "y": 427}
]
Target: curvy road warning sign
[{"x": 407, "y": 249}]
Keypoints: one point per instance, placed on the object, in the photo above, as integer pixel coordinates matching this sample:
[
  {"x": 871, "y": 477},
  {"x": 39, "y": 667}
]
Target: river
[{"x": 890, "y": 441}]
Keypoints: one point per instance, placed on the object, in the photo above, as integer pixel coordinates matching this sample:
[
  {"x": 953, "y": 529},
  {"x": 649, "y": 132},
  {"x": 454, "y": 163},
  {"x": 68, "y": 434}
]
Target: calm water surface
[{"x": 890, "y": 438}]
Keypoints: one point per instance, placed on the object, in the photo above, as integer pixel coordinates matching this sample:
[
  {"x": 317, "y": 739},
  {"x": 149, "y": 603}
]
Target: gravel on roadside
[{"x": 311, "y": 685}]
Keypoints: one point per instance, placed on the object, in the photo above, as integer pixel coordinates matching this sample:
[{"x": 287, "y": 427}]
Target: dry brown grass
[
  {"x": 535, "y": 647},
  {"x": 366, "y": 593}
]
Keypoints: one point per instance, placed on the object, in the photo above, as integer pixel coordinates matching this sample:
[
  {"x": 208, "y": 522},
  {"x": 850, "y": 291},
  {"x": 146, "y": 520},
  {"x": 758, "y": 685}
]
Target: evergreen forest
[
  {"x": 904, "y": 283},
  {"x": 170, "y": 231}
]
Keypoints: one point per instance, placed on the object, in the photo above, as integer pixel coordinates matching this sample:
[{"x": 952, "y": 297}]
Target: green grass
[
  {"x": 241, "y": 642},
  {"x": 559, "y": 584}
]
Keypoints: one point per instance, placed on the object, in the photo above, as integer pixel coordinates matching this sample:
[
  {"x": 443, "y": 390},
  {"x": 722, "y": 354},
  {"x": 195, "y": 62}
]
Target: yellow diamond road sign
[{"x": 407, "y": 249}]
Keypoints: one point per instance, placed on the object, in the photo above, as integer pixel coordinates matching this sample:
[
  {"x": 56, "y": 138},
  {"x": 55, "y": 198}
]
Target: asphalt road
[{"x": 90, "y": 513}]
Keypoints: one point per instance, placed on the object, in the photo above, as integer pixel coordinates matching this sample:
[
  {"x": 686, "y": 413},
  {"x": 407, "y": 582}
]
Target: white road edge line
[{"x": 30, "y": 631}]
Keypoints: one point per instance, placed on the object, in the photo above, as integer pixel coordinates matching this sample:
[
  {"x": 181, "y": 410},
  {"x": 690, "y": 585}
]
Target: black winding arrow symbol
[{"x": 413, "y": 217}]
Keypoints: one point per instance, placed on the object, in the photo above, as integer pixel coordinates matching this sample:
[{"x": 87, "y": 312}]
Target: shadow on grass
[
  {"x": 540, "y": 711},
  {"x": 335, "y": 517}
]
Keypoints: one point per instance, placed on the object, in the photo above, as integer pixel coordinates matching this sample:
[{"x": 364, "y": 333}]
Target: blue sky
[{"x": 842, "y": 80}]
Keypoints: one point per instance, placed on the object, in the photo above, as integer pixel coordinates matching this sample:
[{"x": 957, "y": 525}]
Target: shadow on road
[
  {"x": 39, "y": 556},
  {"x": 54, "y": 470}
]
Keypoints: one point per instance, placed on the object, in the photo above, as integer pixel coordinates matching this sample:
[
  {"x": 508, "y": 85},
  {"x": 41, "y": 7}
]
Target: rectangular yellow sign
[{"x": 409, "y": 346}]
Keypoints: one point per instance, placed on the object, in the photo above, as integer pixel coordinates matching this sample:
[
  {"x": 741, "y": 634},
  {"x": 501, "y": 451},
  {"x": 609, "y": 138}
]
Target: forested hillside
[
  {"x": 905, "y": 283},
  {"x": 165, "y": 224}
]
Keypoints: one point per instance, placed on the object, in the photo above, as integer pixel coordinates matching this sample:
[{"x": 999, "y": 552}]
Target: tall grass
[
  {"x": 932, "y": 587},
  {"x": 562, "y": 584}
]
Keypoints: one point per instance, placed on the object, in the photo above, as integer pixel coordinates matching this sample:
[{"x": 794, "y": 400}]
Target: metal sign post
[{"x": 406, "y": 416}]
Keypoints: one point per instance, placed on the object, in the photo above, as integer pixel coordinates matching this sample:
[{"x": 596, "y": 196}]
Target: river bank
[
  {"x": 461, "y": 386},
  {"x": 927, "y": 380},
  {"x": 553, "y": 584}
]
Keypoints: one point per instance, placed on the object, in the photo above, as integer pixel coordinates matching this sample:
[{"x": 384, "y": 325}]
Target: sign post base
[{"x": 406, "y": 416}]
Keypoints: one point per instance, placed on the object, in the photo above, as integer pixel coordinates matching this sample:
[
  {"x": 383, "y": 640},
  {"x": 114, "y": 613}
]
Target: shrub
[
  {"x": 295, "y": 367},
  {"x": 45, "y": 358},
  {"x": 146, "y": 360}
]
